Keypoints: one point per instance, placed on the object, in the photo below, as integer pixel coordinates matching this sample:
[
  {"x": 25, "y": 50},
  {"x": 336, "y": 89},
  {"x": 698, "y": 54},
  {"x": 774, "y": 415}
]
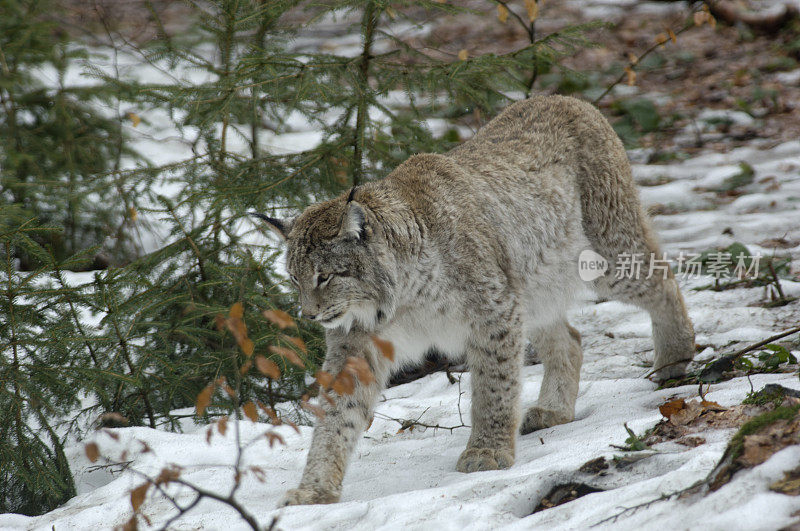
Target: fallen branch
[
  {"x": 631, "y": 510},
  {"x": 410, "y": 424},
  {"x": 725, "y": 363}
]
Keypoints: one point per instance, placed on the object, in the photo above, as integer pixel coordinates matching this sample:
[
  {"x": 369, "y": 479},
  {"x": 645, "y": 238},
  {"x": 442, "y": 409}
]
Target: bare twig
[
  {"x": 633, "y": 64},
  {"x": 739, "y": 353},
  {"x": 410, "y": 424},
  {"x": 630, "y": 510}
]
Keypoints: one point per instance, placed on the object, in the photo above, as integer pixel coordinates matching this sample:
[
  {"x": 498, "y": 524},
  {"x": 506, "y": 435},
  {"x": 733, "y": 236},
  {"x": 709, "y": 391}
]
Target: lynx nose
[{"x": 309, "y": 316}]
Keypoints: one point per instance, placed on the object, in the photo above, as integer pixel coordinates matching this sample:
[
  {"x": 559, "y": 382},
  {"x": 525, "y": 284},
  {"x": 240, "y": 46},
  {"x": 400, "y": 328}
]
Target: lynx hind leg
[
  {"x": 559, "y": 348},
  {"x": 619, "y": 231}
]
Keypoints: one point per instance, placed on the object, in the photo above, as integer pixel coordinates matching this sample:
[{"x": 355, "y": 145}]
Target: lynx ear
[
  {"x": 354, "y": 223},
  {"x": 278, "y": 226}
]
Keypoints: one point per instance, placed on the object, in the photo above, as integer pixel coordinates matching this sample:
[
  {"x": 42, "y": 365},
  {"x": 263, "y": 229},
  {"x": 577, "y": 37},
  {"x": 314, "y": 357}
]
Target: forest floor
[{"x": 721, "y": 167}]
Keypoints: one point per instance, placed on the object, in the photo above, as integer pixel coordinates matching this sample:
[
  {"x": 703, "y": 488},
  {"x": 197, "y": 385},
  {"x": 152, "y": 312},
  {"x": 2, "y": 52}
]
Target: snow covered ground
[{"x": 408, "y": 480}]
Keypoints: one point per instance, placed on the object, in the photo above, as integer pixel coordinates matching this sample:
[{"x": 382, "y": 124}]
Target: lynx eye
[{"x": 322, "y": 280}]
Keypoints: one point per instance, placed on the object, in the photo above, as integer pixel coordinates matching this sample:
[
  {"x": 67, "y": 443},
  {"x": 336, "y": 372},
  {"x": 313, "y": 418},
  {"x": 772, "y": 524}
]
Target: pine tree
[
  {"x": 34, "y": 475},
  {"x": 131, "y": 344},
  {"x": 58, "y": 150}
]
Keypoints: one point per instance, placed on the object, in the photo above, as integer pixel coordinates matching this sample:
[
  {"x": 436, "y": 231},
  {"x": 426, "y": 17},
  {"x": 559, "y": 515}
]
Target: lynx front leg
[
  {"x": 494, "y": 357},
  {"x": 336, "y": 434}
]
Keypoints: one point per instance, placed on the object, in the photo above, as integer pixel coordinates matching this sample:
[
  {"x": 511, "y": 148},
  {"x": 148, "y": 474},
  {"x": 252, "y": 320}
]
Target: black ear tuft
[
  {"x": 354, "y": 223},
  {"x": 278, "y": 226},
  {"x": 352, "y": 194}
]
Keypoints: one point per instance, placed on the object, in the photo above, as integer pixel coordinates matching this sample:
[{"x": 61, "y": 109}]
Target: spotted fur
[{"x": 474, "y": 253}]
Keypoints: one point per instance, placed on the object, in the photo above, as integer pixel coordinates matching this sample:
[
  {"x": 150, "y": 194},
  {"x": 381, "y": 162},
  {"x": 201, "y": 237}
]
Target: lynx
[{"x": 474, "y": 253}]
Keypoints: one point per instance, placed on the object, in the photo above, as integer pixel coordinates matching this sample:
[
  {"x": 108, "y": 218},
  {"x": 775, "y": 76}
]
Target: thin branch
[
  {"x": 410, "y": 424},
  {"x": 688, "y": 25},
  {"x": 730, "y": 358}
]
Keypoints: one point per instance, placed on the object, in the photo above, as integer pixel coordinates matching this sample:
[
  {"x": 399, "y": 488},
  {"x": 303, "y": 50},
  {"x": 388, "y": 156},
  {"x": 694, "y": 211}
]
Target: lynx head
[{"x": 341, "y": 266}]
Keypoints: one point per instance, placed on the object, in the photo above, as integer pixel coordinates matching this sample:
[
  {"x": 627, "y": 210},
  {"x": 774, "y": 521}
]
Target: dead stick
[{"x": 736, "y": 354}]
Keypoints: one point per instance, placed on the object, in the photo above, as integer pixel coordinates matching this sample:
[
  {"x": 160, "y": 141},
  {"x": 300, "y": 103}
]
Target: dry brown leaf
[
  {"x": 272, "y": 437},
  {"x": 138, "y": 495},
  {"x": 222, "y": 425},
  {"x": 704, "y": 17},
  {"x": 361, "y": 369},
  {"x": 345, "y": 383},
  {"x": 279, "y": 318},
  {"x": 289, "y": 354},
  {"x": 273, "y": 417},
  {"x": 324, "y": 378},
  {"x": 92, "y": 451},
  {"x": 672, "y": 36},
  {"x": 712, "y": 406},
  {"x": 384, "y": 347},
  {"x": 239, "y": 330},
  {"x": 298, "y": 342},
  {"x": 112, "y": 434},
  {"x": 631, "y": 75},
  {"x": 245, "y": 367},
  {"x": 502, "y": 13},
  {"x": 268, "y": 367},
  {"x": 133, "y": 213},
  {"x": 247, "y": 346},
  {"x": 532, "y": 7},
  {"x": 314, "y": 409},
  {"x": 209, "y": 434},
  {"x": 236, "y": 311},
  {"x": 293, "y": 425},
  {"x": 168, "y": 475},
  {"x": 259, "y": 473},
  {"x": 687, "y": 414},
  {"x": 463, "y": 55},
  {"x": 250, "y": 411},
  {"x": 661, "y": 38},
  {"x": 219, "y": 321},
  {"x": 673, "y": 406},
  {"x": 204, "y": 398},
  {"x": 130, "y": 525},
  {"x": 692, "y": 410},
  {"x": 632, "y": 58},
  {"x": 134, "y": 118},
  {"x": 691, "y": 442}
]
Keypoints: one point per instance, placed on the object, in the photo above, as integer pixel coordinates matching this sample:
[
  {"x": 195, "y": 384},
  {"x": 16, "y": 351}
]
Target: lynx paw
[
  {"x": 303, "y": 496},
  {"x": 478, "y": 459},
  {"x": 537, "y": 418},
  {"x": 670, "y": 372}
]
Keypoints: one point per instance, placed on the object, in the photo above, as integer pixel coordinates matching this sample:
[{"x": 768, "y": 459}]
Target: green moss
[
  {"x": 764, "y": 397},
  {"x": 736, "y": 446}
]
